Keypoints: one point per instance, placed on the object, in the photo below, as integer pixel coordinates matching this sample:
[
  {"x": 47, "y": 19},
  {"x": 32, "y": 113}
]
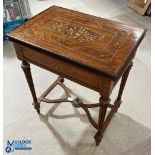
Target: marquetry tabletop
[{"x": 99, "y": 43}]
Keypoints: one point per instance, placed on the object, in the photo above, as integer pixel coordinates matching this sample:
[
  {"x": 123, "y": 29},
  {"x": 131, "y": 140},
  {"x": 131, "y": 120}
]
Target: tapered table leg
[
  {"x": 102, "y": 113},
  {"x": 122, "y": 85},
  {"x": 26, "y": 68}
]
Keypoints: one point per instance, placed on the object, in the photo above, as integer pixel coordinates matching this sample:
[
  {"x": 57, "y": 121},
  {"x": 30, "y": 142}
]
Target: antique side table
[{"x": 88, "y": 50}]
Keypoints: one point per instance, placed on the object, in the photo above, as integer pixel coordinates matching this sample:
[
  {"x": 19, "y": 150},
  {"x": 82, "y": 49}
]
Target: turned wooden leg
[
  {"x": 122, "y": 85},
  {"x": 102, "y": 113},
  {"x": 26, "y": 68}
]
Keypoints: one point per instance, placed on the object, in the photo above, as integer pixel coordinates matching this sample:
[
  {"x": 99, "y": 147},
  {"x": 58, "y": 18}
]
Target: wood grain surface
[{"x": 97, "y": 43}]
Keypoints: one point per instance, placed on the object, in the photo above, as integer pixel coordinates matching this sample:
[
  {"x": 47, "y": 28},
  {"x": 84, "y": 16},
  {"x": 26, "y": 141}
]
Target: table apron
[{"x": 60, "y": 66}]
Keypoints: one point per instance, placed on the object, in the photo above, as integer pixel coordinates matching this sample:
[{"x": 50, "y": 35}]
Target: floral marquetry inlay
[{"x": 80, "y": 33}]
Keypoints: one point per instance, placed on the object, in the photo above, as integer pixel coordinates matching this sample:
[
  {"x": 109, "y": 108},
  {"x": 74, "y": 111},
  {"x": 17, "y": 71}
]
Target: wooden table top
[{"x": 104, "y": 45}]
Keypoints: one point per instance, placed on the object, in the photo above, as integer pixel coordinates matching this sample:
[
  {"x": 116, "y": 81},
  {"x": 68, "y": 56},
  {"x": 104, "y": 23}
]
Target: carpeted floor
[{"x": 64, "y": 130}]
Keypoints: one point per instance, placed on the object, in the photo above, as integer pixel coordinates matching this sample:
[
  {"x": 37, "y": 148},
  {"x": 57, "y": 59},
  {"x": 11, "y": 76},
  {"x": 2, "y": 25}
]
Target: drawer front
[
  {"x": 59, "y": 66},
  {"x": 85, "y": 76},
  {"x": 45, "y": 60}
]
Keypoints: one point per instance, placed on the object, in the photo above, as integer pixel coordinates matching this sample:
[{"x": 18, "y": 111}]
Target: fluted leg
[
  {"x": 26, "y": 68},
  {"x": 122, "y": 85},
  {"x": 102, "y": 113}
]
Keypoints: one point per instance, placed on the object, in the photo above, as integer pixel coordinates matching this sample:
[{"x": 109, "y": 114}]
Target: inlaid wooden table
[{"x": 88, "y": 50}]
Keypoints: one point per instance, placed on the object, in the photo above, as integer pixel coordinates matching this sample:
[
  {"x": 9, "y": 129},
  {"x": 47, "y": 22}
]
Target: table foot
[
  {"x": 37, "y": 107},
  {"x": 98, "y": 138}
]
